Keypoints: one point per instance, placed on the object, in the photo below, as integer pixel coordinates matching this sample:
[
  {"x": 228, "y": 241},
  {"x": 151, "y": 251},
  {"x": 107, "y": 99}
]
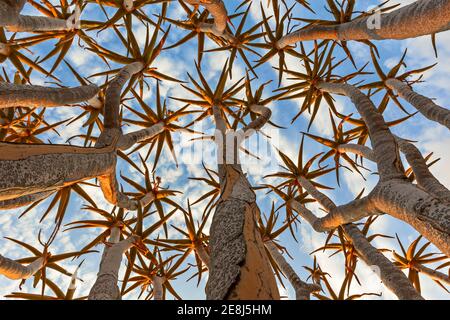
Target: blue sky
[{"x": 177, "y": 62}]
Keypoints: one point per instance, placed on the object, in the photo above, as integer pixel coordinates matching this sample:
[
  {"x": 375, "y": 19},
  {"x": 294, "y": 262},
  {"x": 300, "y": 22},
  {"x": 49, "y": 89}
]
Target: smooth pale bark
[
  {"x": 424, "y": 177},
  {"x": 73, "y": 284},
  {"x": 239, "y": 266},
  {"x": 337, "y": 215},
  {"x": 105, "y": 287},
  {"x": 16, "y": 95},
  {"x": 391, "y": 276},
  {"x": 424, "y": 105},
  {"x": 11, "y": 19},
  {"x": 423, "y": 17},
  {"x": 217, "y": 9},
  {"x": 383, "y": 142},
  {"x": 112, "y": 135},
  {"x": 158, "y": 291},
  {"x": 128, "y": 5},
  {"x": 302, "y": 289},
  {"x": 357, "y": 149},
  {"x": 433, "y": 274},
  {"x": 15, "y": 271},
  {"x": 202, "y": 254},
  {"x": 130, "y": 139},
  {"x": 264, "y": 116},
  {"x": 394, "y": 194}
]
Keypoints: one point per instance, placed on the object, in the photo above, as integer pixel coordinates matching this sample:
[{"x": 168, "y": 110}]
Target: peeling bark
[
  {"x": 423, "y": 104},
  {"x": 105, "y": 287},
  {"x": 302, "y": 289},
  {"x": 15, "y": 271},
  {"x": 16, "y": 95},
  {"x": 432, "y": 16},
  {"x": 239, "y": 267},
  {"x": 239, "y": 264}
]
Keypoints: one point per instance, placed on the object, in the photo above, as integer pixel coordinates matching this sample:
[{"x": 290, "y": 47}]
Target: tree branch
[
  {"x": 424, "y": 177},
  {"x": 383, "y": 142},
  {"x": 16, "y": 95},
  {"x": 432, "y": 16},
  {"x": 15, "y": 271},
  {"x": 423, "y": 104}
]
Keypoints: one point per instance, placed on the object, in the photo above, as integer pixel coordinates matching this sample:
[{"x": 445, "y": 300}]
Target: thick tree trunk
[
  {"x": 15, "y": 95},
  {"x": 392, "y": 277},
  {"x": 15, "y": 271},
  {"x": 34, "y": 169},
  {"x": 423, "y": 104},
  {"x": 302, "y": 289},
  {"x": 105, "y": 287},
  {"x": 239, "y": 267},
  {"x": 432, "y": 16}
]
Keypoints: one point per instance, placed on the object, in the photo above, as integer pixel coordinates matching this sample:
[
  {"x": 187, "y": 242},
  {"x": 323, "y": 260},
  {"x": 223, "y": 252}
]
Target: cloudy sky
[{"x": 179, "y": 61}]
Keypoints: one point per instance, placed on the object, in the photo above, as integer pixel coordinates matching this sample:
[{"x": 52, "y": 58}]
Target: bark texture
[
  {"x": 239, "y": 267},
  {"x": 424, "y": 105},
  {"x": 394, "y": 194},
  {"x": 424, "y": 177},
  {"x": 11, "y": 19},
  {"x": 105, "y": 287},
  {"x": 392, "y": 277},
  {"x": 16, "y": 95},
  {"x": 432, "y": 16}
]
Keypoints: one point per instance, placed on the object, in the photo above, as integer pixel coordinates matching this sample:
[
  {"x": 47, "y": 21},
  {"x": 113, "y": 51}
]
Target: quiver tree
[
  {"x": 105, "y": 287},
  {"x": 23, "y": 181},
  {"x": 424, "y": 105},
  {"x": 394, "y": 194},
  {"x": 11, "y": 18},
  {"x": 431, "y": 15},
  {"x": 239, "y": 268}
]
